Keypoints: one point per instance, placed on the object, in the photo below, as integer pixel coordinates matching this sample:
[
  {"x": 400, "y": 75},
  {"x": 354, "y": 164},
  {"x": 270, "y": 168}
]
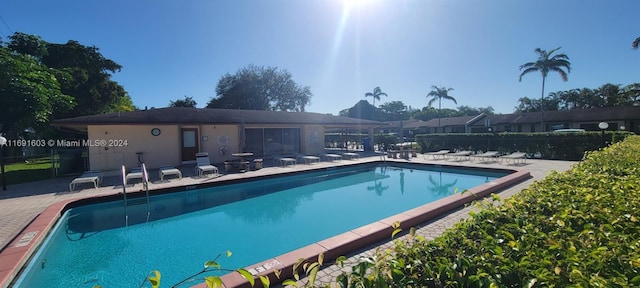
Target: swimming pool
[{"x": 89, "y": 246}]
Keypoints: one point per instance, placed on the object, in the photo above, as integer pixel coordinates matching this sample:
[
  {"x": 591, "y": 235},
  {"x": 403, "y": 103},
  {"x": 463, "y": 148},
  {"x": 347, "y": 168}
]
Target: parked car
[{"x": 569, "y": 130}]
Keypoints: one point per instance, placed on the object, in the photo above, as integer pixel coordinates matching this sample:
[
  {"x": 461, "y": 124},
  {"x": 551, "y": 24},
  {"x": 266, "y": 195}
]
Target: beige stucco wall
[
  {"x": 127, "y": 140},
  {"x": 124, "y": 141},
  {"x": 214, "y": 137}
]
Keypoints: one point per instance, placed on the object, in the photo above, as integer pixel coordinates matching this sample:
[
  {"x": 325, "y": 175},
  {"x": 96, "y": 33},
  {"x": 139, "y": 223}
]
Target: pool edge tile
[
  {"x": 17, "y": 254},
  {"x": 340, "y": 244}
]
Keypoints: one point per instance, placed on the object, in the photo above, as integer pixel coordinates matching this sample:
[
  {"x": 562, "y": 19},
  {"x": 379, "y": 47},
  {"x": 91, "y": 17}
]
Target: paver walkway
[{"x": 20, "y": 204}]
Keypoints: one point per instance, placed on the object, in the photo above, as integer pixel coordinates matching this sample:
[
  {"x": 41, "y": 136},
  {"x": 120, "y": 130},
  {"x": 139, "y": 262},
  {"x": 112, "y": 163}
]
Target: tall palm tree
[
  {"x": 636, "y": 43},
  {"x": 544, "y": 64},
  {"x": 439, "y": 93},
  {"x": 377, "y": 92}
]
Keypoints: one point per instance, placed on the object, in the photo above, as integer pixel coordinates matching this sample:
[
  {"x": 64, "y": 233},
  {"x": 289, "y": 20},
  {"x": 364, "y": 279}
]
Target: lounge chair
[
  {"x": 283, "y": 161},
  {"x": 308, "y": 159},
  {"x": 169, "y": 170},
  {"x": 515, "y": 157},
  {"x": 350, "y": 155},
  {"x": 492, "y": 155},
  {"x": 135, "y": 173},
  {"x": 94, "y": 177},
  {"x": 331, "y": 157},
  {"x": 460, "y": 155},
  {"x": 438, "y": 154},
  {"x": 203, "y": 165}
]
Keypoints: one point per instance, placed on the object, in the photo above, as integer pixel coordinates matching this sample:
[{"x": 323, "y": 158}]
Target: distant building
[{"x": 618, "y": 118}]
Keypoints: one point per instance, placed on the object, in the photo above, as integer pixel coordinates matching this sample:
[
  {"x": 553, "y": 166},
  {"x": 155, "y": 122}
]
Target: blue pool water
[{"x": 256, "y": 220}]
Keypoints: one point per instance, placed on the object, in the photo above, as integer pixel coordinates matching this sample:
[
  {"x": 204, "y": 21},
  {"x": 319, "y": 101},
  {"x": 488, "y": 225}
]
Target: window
[{"x": 273, "y": 141}]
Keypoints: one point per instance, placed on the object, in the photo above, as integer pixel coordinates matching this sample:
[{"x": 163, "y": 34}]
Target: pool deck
[{"x": 21, "y": 204}]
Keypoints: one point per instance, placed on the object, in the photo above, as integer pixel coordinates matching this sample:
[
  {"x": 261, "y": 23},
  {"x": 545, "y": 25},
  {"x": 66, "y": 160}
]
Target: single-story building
[
  {"x": 173, "y": 136},
  {"x": 618, "y": 118}
]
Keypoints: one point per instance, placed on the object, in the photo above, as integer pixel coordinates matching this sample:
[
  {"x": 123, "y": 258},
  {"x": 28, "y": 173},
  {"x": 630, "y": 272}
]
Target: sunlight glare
[{"x": 355, "y": 3}]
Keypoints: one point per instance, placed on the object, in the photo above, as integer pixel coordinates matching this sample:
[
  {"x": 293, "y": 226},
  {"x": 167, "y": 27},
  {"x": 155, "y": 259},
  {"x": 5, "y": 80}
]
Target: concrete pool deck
[{"x": 21, "y": 204}]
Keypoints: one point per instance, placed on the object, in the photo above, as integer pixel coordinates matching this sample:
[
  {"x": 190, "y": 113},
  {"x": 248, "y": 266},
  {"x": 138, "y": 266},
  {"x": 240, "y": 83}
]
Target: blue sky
[{"x": 343, "y": 49}]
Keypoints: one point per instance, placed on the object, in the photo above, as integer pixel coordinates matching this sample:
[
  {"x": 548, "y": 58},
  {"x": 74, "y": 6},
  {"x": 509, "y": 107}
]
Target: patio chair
[
  {"x": 283, "y": 160},
  {"x": 331, "y": 157},
  {"x": 460, "y": 155},
  {"x": 203, "y": 165},
  {"x": 135, "y": 173},
  {"x": 515, "y": 157},
  {"x": 308, "y": 159},
  {"x": 437, "y": 154},
  {"x": 94, "y": 177},
  {"x": 350, "y": 155},
  {"x": 491, "y": 155},
  {"x": 169, "y": 170}
]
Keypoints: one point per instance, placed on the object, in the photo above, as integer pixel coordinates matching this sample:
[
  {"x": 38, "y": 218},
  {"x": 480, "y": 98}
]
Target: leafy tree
[
  {"x": 81, "y": 71},
  {"x": 544, "y": 64},
  {"x": 439, "y": 93},
  {"x": 632, "y": 92},
  {"x": 527, "y": 104},
  {"x": 30, "y": 94},
  {"x": 260, "y": 88},
  {"x": 362, "y": 110},
  {"x": 27, "y": 44},
  {"x": 186, "y": 102},
  {"x": 394, "y": 110},
  {"x": 472, "y": 111},
  {"x": 612, "y": 95},
  {"x": 587, "y": 99},
  {"x": 90, "y": 82}
]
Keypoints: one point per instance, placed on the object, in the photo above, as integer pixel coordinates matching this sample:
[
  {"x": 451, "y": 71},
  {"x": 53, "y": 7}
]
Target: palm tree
[
  {"x": 636, "y": 43},
  {"x": 439, "y": 93},
  {"x": 377, "y": 92},
  {"x": 544, "y": 64}
]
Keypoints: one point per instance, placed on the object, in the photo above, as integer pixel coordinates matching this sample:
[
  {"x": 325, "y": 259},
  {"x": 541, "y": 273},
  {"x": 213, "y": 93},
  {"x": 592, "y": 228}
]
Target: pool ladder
[{"x": 145, "y": 184}]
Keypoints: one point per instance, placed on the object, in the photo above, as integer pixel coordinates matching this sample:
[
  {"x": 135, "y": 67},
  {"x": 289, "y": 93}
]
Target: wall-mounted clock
[{"x": 155, "y": 131}]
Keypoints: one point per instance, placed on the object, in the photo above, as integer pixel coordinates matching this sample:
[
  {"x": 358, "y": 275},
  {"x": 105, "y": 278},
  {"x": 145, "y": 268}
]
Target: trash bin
[{"x": 366, "y": 142}]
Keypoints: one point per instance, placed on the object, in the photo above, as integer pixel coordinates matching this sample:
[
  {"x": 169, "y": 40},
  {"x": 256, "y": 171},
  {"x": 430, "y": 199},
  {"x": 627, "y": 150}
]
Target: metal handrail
[
  {"x": 145, "y": 179},
  {"x": 124, "y": 192}
]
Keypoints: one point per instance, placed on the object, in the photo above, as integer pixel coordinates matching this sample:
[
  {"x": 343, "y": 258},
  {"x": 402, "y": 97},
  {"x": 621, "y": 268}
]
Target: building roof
[
  {"x": 197, "y": 116},
  {"x": 448, "y": 121},
  {"x": 576, "y": 115}
]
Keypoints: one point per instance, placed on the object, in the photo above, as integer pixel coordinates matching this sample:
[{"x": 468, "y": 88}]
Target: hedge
[
  {"x": 579, "y": 228},
  {"x": 558, "y": 146}
]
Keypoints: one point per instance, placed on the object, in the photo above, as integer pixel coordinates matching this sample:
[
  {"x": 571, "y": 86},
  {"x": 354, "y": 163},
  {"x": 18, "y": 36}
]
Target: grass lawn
[{"x": 33, "y": 170}]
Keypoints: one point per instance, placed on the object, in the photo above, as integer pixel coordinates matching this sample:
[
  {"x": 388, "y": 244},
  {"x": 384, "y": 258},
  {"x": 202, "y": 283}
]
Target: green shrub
[{"x": 560, "y": 146}]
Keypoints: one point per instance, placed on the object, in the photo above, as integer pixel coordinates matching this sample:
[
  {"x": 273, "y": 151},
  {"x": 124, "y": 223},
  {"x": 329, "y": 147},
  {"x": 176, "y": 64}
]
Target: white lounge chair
[
  {"x": 491, "y": 155},
  {"x": 94, "y": 177},
  {"x": 284, "y": 161},
  {"x": 169, "y": 170},
  {"x": 515, "y": 157},
  {"x": 350, "y": 155},
  {"x": 308, "y": 159},
  {"x": 203, "y": 165},
  {"x": 438, "y": 154},
  {"x": 135, "y": 173},
  {"x": 460, "y": 155},
  {"x": 331, "y": 157}
]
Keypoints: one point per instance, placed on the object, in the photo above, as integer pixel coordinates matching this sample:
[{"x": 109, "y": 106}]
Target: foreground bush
[{"x": 580, "y": 228}]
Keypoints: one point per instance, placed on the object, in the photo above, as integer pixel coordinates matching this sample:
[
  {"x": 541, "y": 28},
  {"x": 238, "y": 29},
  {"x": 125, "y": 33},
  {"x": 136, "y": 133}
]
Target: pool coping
[
  {"x": 363, "y": 236},
  {"x": 18, "y": 252}
]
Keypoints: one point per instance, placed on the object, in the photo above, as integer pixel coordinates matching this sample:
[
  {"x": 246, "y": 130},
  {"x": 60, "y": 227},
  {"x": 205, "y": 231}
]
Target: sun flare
[{"x": 355, "y": 3}]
